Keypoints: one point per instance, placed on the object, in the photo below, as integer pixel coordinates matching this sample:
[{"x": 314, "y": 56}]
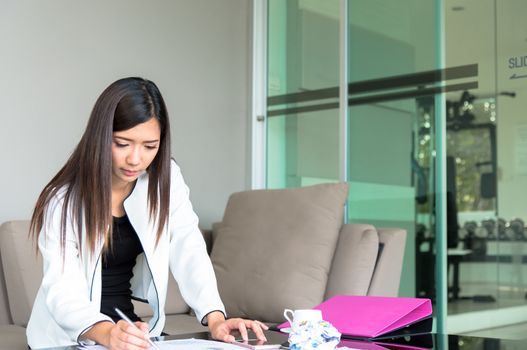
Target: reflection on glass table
[{"x": 415, "y": 342}]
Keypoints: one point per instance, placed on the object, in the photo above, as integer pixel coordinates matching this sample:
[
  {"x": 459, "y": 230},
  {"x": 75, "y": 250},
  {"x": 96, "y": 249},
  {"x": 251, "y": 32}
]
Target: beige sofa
[{"x": 362, "y": 260}]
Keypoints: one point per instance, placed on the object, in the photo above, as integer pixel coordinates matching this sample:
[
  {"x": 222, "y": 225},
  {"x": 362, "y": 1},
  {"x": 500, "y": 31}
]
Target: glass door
[
  {"x": 510, "y": 182},
  {"x": 486, "y": 142},
  {"x": 511, "y": 136},
  {"x": 393, "y": 79},
  {"x": 402, "y": 85}
]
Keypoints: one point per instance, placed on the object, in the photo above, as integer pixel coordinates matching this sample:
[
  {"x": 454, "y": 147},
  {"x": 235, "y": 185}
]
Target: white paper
[
  {"x": 176, "y": 344},
  {"x": 196, "y": 344}
]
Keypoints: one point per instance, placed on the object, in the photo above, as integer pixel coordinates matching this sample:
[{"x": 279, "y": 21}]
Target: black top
[{"x": 117, "y": 265}]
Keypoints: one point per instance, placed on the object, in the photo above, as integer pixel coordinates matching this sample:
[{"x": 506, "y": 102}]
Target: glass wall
[
  {"x": 510, "y": 173},
  {"x": 486, "y": 148},
  {"x": 395, "y": 76},
  {"x": 303, "y": 79},
  {"x": 390, "y": 45}
]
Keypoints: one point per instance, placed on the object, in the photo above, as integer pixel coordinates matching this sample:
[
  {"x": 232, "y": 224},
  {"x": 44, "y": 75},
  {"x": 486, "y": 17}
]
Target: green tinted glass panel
[
  {"x": 511, "y": 149},
  {"x": 302, "y": 143},
  {"x": 398, "y": 94},
  {"x": 391, "y": 137}
]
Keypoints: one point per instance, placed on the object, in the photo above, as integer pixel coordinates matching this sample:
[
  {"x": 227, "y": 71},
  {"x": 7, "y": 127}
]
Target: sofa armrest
[
  {"x": 22, "y": 269},
  {"x": 354, "y": 260},
  {"x": 5, "y": 313},
  {"x": 207, "y": 236},
  {"x": 387, "y": 274}
]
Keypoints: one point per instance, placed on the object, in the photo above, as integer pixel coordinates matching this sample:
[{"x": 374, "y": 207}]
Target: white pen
[{"x": 124, "y": 317}]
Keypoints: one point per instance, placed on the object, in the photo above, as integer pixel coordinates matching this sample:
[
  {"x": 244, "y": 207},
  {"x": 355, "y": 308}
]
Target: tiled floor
[
  {"x": 516, "y": 331},
  {"x": 501, "y": 298},
  {"x": 485, "y": 296},
  {"x": 471, "y": 305}
]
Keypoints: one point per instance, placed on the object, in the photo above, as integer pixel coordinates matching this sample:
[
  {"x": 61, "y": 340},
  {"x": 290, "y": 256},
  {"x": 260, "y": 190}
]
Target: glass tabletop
[
  {"x": 430, "y": 341},
  {"x": 436, "y": 342}
]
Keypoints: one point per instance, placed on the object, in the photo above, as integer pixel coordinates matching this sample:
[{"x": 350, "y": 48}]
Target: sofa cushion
[
  {"x": 5, "y": 313},
  {"x": 174, "y": 302},
  {"x": 389, "y": 264},
  {"x": 274, "y": 248},
  {"x": 183, "y": 324},
  {"x": 22, "y": 269},
  {"x": 354, "y": 261},
  {"x": 12, "y": 337},
  {"x": 23, "y": 275}
]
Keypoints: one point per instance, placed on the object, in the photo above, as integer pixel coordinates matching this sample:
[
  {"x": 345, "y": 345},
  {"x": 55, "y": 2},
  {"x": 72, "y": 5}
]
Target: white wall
[{"x": 57, "y": 56}]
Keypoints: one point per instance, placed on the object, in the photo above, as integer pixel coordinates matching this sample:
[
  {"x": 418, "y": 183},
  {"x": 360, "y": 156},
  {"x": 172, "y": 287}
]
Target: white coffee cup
[{"x": 297, "y": 317}]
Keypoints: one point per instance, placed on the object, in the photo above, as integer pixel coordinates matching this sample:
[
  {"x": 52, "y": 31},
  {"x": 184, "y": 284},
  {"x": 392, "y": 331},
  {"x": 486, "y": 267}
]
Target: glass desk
[{"x": 414, "y": 342}]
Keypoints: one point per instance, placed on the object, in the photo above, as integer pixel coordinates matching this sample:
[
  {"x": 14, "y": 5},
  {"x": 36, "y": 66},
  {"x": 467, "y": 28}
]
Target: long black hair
[{"x": 86, "y": 178}]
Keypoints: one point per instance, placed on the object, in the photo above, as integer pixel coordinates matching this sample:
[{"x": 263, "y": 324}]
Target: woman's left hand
[{"x": 221, "y": 329}]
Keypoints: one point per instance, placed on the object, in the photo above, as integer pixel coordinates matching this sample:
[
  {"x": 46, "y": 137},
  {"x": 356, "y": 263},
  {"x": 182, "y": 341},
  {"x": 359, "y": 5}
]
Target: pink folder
[{"x": 372, "y": 317}]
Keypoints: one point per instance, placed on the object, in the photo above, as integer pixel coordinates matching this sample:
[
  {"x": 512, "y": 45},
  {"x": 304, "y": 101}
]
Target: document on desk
[{"x": 177, "y": 344}]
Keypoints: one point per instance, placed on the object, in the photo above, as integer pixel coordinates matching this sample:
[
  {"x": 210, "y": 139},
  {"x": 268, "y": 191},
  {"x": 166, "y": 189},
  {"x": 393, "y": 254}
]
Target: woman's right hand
[{"x": 120, "y": 335}]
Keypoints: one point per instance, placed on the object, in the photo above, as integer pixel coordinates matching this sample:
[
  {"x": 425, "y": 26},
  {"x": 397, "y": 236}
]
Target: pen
[{"x": 124, "y": 317}]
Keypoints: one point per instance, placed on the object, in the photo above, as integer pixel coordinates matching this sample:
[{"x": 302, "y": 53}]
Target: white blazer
[{"x": 69, "y": 299}]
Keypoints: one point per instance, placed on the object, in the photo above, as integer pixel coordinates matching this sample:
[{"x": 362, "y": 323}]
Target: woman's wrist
[
  {"x": 99, "y": 333},
  {"x": 214, "y": 318}
]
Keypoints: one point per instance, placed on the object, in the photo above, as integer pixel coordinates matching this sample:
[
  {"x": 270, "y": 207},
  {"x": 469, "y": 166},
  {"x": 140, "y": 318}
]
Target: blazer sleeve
[
  {"x": 64, "y": 283},
  {"x": 189, "y": 261}
]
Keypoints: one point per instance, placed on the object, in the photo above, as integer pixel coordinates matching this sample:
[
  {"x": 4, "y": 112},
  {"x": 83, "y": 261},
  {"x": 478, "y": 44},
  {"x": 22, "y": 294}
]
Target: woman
[{"x": 112, "y": 223}]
